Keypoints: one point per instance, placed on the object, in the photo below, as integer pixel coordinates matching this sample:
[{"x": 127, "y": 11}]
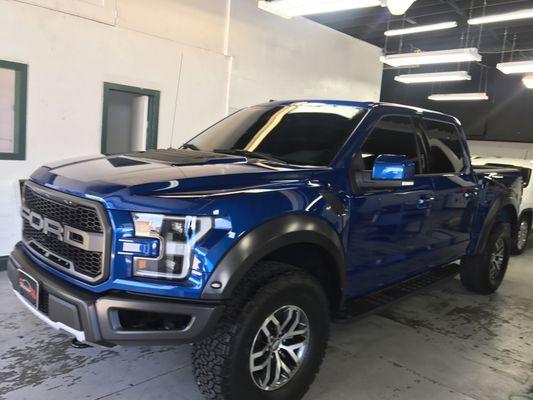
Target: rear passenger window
[
  {"x": 392, "y": 135},
  {"x": 446, "y": 153}
]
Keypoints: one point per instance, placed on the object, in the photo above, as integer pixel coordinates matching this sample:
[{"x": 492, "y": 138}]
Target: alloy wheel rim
[
  {"x": 279, "y": 348},
  {"x": 497, "y": 260},
  {"x": 523, "y": 231}
]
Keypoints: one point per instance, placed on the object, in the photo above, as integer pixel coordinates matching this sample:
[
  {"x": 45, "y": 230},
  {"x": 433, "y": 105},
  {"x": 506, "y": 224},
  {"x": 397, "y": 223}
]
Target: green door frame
[
  {"x": 21, "y": 96},
  {"x": 153, "y": 112}
]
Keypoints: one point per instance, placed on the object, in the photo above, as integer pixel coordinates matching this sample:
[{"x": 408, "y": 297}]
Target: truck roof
[{"x": 364, "y": 104}]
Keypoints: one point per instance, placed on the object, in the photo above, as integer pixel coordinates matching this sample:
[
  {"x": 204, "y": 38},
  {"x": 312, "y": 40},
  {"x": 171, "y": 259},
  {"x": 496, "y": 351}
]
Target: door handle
[{"x": 425, "y": 201}]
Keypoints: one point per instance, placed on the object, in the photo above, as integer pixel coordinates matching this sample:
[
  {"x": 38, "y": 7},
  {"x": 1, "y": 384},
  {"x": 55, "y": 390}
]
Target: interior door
[
  {"x": 388, "y": 232},
  {"x": 455, "y": 190}
]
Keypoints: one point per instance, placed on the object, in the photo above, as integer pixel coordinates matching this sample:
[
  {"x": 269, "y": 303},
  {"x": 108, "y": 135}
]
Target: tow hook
[{"x": 79, "y": 345}]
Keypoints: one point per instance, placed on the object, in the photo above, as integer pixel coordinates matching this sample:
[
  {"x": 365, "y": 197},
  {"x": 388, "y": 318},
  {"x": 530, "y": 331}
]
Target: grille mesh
[
  {"x": 76, "y": 216},
  {"x": 85, "y": 262},
  {"x": 73, "y": 260}
]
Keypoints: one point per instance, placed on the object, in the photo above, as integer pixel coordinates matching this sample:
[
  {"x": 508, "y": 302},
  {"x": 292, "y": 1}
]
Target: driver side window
[{"x": 392, "y": 135}]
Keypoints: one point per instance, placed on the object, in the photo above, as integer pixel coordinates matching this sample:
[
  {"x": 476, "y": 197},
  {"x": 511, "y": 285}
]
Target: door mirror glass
[{"x": 393, "y": 168}]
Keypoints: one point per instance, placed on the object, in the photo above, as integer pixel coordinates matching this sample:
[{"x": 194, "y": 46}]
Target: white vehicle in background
[{"x": 525, "y": 218}]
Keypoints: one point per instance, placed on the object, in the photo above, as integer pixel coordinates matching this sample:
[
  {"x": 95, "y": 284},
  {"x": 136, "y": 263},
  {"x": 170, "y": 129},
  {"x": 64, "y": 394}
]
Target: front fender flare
[{"x": 263, "y": 240}]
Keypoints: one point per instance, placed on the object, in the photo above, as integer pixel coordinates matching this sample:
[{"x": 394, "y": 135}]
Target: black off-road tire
[
  {"x": 221, "y": 362},
  {"x": 476, "y": 270},
  {"x": 519, "y": 249}
]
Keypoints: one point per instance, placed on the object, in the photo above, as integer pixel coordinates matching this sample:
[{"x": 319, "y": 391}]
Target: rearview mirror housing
[
  {"x": 389, "y": 167},
  {"x": 389, "y": 172}
]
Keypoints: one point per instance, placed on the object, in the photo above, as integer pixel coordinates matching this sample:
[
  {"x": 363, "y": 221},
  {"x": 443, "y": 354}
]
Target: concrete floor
[{"x": 443, "y": 344}]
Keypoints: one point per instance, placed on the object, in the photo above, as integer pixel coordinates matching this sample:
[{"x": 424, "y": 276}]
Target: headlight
[{"x": 177, "y": 236}]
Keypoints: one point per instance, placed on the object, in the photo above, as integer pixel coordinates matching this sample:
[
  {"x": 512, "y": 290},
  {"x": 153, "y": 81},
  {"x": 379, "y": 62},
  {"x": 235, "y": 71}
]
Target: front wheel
[
  {"x": 271, "y": 341},
  {"x": 522, "y": 234},
  {"x": 484, "y": 272}
]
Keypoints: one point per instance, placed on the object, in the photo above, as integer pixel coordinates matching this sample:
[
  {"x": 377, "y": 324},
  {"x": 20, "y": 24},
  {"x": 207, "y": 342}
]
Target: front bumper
[{"x": 92, "y": 318}]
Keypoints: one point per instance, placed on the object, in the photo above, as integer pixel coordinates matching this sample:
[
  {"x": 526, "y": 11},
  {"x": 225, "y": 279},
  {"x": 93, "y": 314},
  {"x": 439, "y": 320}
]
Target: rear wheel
[
  {"x": 522, "y": 235},
  {"x": 484, "y": 272},
  {"x": 270, "y": 343}
]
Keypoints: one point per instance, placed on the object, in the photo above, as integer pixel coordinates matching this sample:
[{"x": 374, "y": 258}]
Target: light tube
[
  {"x": 451, "y": 76},
  {"x": 512, "y": 16},
  {"x": 528, "y": 81},
  {"x": 292, "y": 8},
  {"x": 421, "y": 28},
  {"x": 517, "y": 67},
  {"x": 459, "y": 97},
  {"x": 432, "y": 57}
]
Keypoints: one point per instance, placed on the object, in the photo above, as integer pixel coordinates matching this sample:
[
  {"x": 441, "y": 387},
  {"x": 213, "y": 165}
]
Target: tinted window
[
  {"x": 392, "y": 135},
  {"x": 445, "y": 150},
  {"x": 301, "y": 133}
]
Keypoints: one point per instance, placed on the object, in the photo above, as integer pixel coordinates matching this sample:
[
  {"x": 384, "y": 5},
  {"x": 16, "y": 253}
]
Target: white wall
[
  {"x": 276, "y": 58},
  {"x": 501, "y": 149},
  {"x": 206, "y": 57}
]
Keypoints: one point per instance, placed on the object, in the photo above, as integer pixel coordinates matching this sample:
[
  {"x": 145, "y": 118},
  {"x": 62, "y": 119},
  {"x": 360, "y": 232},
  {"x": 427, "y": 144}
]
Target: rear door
[
  {"x": 389, "y": 228},
  {"x": 455, "y": 189}
]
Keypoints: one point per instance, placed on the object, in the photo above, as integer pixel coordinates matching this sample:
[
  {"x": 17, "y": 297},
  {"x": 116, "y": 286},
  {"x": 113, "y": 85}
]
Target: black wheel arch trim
[
  {"x": 497, "y": 206},
  {"x": 267, "y": 238}
]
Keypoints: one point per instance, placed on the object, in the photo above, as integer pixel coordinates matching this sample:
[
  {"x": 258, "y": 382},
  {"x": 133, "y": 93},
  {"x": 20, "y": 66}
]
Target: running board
[{"x": 374, "y": 302}]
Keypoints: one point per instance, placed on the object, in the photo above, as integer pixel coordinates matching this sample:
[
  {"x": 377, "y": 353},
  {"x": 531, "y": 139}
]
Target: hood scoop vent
[{"x": 187, "y": 157}]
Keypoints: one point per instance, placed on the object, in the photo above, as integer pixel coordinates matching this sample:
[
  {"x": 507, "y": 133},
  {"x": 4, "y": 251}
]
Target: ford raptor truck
[{"x": 250, "y": 238}]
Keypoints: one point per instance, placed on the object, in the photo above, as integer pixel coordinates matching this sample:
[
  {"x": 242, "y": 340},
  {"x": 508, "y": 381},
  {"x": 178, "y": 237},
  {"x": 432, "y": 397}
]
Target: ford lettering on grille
[
  {"x": 66, "y": 232},
  {"x": 88, "y": 241}
]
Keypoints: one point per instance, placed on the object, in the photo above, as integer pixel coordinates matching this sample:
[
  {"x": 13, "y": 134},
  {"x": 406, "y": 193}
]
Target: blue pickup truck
[{"x": 252, "y": 236}]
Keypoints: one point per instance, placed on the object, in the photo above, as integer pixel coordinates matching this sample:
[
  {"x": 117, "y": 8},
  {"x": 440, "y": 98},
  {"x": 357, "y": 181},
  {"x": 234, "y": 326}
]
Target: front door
[{"x": 388, "y": 237}]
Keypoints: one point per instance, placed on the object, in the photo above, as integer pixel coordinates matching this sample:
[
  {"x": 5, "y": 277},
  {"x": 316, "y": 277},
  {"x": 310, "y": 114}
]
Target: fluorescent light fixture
[
  {"x": 399, "y": 7},
  {"x": 421, "y": 28},
  {"x": 512, "y": 16},
  {"x": 459, "y": 97},
  {"x": 517, "y": 67},
  {"x": 451, "y": 76},
  {"x": 528, "y": 81},
  {"x": 292, "y": 8},
  {"x": 432, "y": 57}
]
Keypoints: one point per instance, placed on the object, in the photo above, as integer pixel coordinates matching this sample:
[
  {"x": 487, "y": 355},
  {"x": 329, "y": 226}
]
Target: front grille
[
  {"x": 85, "y": 262},
  {"x": 44, "y": 206},
  {"x": 77, "y": 216}
]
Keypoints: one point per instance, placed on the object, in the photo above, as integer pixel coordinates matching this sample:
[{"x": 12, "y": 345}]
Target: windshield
[{"x": 300, "y": 133}]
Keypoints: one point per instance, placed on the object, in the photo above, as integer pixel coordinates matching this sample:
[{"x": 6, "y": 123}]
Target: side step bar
[{"x": 374, "y": 302}]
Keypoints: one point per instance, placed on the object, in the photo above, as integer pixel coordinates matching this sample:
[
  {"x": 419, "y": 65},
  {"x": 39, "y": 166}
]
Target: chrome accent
[
  {"x": 497, "y": 259},
  {"x": 92, "y": 242},
  {"x": 79, "y": 335},
  {"x": 523, "y": 232},
  {"x": 279, "y": 348}
]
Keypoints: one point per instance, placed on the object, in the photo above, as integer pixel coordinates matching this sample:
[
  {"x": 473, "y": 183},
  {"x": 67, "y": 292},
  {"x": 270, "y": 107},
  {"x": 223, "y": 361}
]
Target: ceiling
[{"x": 369, "y": 24}]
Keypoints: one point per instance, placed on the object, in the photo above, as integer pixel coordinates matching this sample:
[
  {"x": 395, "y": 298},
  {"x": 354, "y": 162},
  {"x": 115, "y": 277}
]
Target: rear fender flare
[{"x": 499, "y": 204}]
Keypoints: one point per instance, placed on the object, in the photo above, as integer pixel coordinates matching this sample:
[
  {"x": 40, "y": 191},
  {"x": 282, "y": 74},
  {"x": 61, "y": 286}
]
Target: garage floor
[{"x": 443, "y": 344}]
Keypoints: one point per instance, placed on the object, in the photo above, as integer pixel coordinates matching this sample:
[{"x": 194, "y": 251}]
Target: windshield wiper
[
  {"x": 246, "y": 153},
  {"x": 190, "y": 146}
]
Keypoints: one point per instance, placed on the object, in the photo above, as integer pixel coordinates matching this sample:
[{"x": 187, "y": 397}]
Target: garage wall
[
  {"x": 296, "y": 58},
  {"x": 205, "y": 57},
  {"x": 501, "y": 149}
]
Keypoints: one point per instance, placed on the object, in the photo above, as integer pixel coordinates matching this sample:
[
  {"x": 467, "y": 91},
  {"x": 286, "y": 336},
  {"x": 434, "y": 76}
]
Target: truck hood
[{"x": 166, "y": 172}]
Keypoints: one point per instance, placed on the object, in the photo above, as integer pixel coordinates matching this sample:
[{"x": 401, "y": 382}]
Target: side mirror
[
  {"x": 389, "y": 172},
  {"x": 393, "y": 168}
]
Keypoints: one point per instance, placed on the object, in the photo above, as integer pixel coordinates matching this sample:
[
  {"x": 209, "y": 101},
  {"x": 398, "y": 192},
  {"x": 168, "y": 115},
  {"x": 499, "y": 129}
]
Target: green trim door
[
  {"x": 21, "y": 94},
  {"x": 153, "y": 112}
]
